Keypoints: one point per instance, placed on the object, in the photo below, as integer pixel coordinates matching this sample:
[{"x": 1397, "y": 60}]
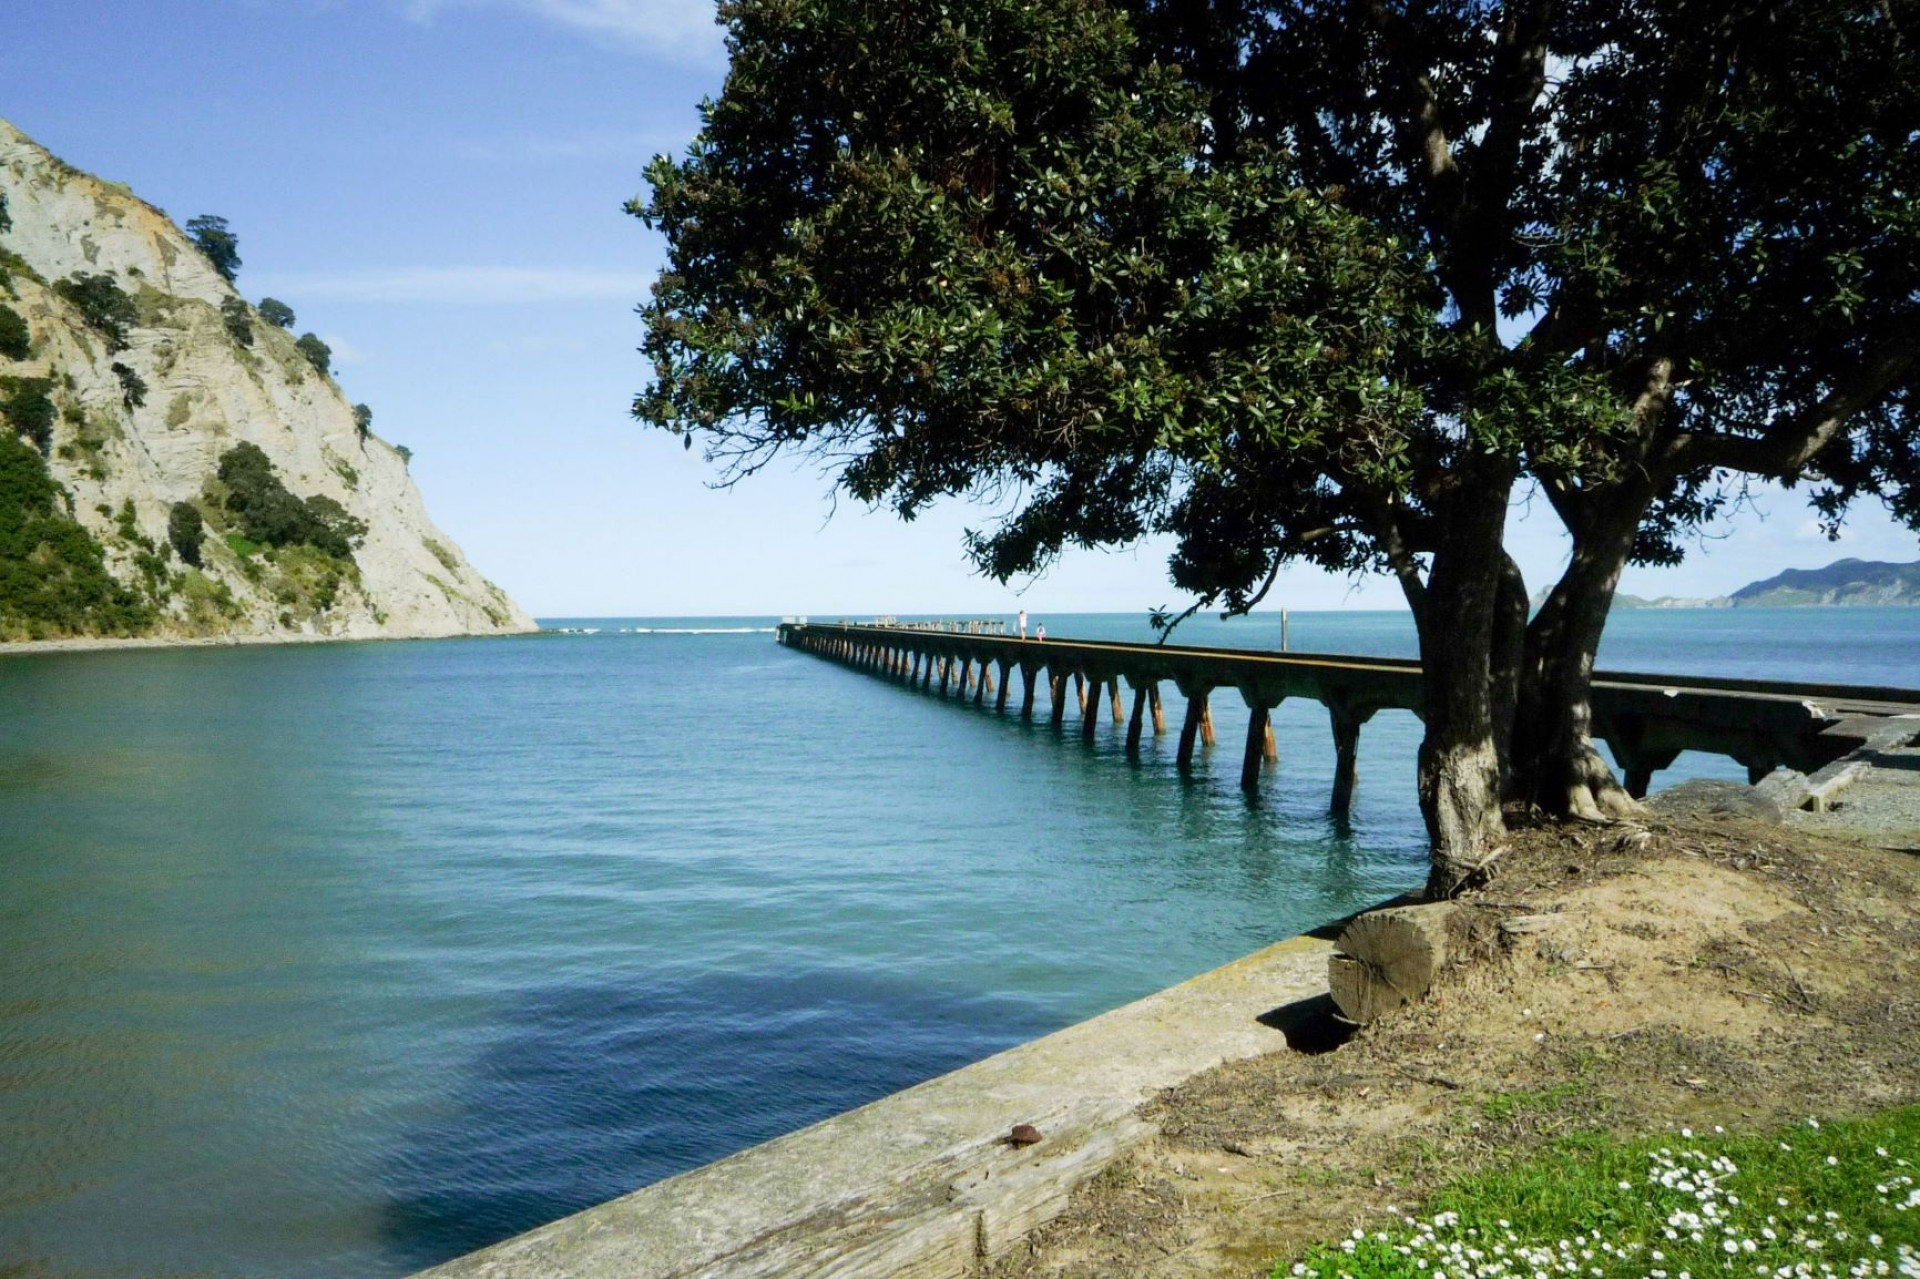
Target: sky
[{"x": 436, "y": 188}]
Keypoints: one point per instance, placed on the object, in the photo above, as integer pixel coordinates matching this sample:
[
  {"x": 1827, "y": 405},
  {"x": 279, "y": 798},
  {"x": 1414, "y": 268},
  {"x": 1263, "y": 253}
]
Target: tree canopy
[
  {"x": 103, "y": 305},
  {"x": 221, "y": 246},
  {"x": 1315, "y": 279},
  {"x": 317, "y": 353},
  {"x": 276, "y": 312}
]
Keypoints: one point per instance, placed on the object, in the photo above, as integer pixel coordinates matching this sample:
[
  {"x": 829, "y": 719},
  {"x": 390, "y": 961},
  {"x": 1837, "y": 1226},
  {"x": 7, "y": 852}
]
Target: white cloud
[
  {"x": 680, "y": 27},
  {"x": 344, "y": 352},
  {"x": 468, "y": 285}
]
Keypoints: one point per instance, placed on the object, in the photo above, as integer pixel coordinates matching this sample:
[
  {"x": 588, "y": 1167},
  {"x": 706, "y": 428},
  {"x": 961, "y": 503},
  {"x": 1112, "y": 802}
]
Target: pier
[{"x": 1645, "y": 720}]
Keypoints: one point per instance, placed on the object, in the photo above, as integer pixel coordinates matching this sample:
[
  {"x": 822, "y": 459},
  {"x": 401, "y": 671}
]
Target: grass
[{"x": 1820, "y": 1201}]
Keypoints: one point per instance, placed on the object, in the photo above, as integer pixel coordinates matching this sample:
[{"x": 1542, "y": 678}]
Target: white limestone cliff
[{"x": 205, "y": 394}]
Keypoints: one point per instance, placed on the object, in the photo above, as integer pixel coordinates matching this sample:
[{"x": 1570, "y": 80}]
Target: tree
[
  {"x": 221, "y": 246},
  {"x": 269, "y": 513},
  {"x": 6, "y": 217},
  {"x": 362, "y": 421},
  {"x": 29, "y": 411},
  {"x": 318, "y": 353},
  {"x": 406, "y": 454},
  {"x": 103, "y": 305},
  {"x": 133, "y": 387},
  {"x": 1329, "y": 293},
  {"x": 186, "y": 529},
  {"x": 238, "y": 319},
  {"x": 276, "y": 312},
  {"x": 16, "y": 339}
]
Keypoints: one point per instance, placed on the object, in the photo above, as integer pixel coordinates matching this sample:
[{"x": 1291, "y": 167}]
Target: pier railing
[{"x": 1646, "y": 720}]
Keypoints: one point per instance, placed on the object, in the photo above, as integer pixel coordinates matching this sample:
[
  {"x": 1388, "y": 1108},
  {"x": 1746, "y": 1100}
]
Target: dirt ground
[{"x": 1705, "y": 970}]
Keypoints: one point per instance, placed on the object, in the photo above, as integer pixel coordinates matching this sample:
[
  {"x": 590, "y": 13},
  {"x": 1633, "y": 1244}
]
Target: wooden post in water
[
  {"x": 1089, "y": 722},
  {"x": 946, "y": 670},
  {"x": 1057, "y": 685},
  {"x": 1270, "y": 749},
  {"x": 1080, "y": 692},
  {"x": 1159, "y": 712},
  {"x": 1028, "y": 673},
  {"x": 1139, "y": 718},
  {"x": 1190, "y": 728},
  {"x": 1113, "y": 695},
  {"x": 1256, "y": 744},
  {"x": 1006, "y": 682},
  {"x": 982, "y": 685},
  {"x": 1207, "y": 738},
  {"x": 1346, "y": 756}
]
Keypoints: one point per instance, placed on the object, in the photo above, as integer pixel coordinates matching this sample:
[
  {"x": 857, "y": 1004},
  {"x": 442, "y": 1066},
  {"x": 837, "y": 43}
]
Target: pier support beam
[
  {"x": 1090, "y": 710},
  {"x": 1057, "y": 686},
  {"x": 1197, "y": 714},
  {"x": 1250, "y": 759},
  {"x": 1028, "y": 674},
  {"x": 1139, "y": 717},
  {"x": 1113, "y": 695},
  {"x": 1347, "y": 720},
  {"x": 1080, "y": 692},
  {"x": 1159, "y": 712}
]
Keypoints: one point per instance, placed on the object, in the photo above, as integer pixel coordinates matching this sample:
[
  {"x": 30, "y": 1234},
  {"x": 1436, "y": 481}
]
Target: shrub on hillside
[
  {"x": 267, "y": 513},
  {"x": 28, "y": 409},
  {"x": 238, "y": 318},
  {"x": 133, "y": 387},
  {"x": 276, "y": 312},
  {"x": 221, "y": 246},
  {"x": 16, "y": 339},
  {"x": 186, "y": 530},
  {"x": 318, "y": 353},
  {"x": 103, "y": 304},
  {"x": 53, "y": 574}
]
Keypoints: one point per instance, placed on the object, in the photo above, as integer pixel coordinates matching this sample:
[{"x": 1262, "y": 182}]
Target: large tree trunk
[
  {"x": 1460, "y": 766},
  {"x": 1555, "y": 764}
]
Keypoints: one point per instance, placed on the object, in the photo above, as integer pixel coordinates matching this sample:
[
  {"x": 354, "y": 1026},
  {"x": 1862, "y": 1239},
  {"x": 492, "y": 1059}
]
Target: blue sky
[{"x": 435, "y": 186}]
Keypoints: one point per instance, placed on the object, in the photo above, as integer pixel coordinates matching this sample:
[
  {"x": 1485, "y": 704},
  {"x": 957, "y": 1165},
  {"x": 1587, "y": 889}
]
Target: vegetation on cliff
[{"x": 53, "y": 574}]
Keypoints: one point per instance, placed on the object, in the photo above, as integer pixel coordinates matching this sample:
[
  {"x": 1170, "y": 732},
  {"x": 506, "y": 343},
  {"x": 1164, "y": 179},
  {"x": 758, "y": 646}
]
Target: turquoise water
[{"x": 341, "y": 960}]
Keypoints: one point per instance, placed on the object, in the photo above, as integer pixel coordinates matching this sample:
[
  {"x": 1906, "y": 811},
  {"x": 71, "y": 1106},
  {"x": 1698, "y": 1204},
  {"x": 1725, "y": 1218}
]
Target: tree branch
[{"x": 1789, "y": 444}]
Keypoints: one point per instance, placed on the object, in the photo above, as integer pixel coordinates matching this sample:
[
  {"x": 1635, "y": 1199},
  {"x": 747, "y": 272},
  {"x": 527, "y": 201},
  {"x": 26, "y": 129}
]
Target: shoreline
[{"x": 102, "y": 644}]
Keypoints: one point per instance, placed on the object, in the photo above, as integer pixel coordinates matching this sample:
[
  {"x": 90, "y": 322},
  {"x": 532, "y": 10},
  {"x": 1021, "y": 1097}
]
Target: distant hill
[{"x": 1843, "y": 582}]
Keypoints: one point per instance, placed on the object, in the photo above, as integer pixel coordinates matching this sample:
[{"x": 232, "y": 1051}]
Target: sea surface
[{"x": 340, "y": 960}]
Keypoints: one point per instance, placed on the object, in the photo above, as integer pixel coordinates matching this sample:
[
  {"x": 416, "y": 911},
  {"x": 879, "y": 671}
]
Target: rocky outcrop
[{"x": 126, "y": 460}]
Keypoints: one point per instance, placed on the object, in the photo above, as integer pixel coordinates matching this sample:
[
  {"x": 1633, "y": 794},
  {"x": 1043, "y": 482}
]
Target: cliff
[{"x": 133, "y": 375}]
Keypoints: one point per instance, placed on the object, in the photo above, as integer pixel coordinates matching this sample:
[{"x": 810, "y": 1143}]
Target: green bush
[
  {"x": 276, "y": 312},
  {"x": 16, "y": 339},
  {"x": 28, "y": 410},
  {"x": 238, "y": 318},
  {"x": 318, "y": 353},
  {"x": 362, "y": 420},
  {"x": 133, "y": 387},
  {"x": 53, "y": 574},
  {"x": 221, "y": 246},
  {"x": 186, "y": 530},
  {"x": 268, "y": 514},
  {"x": 103, "y": 304}
]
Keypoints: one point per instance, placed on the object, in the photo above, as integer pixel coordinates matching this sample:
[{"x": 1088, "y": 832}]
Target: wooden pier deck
[{"x": 1646, "y": 720}]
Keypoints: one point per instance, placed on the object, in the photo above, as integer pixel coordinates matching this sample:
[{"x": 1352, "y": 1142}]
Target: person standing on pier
[
  {"x": 1023, "y": 623},
  {"x": 1041, "y": 633}
]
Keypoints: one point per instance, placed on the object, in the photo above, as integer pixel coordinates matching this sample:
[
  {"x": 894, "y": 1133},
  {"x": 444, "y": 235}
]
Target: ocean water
[{"x": 341, "y": 960}]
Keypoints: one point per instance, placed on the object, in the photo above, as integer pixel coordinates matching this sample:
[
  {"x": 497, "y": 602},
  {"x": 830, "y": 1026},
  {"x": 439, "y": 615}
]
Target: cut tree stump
[{"x": 1388, "y": 958}]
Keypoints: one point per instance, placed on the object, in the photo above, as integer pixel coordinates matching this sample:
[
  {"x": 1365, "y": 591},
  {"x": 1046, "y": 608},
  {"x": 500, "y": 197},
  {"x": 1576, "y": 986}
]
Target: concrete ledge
[{"x": 923, "y": 1183}]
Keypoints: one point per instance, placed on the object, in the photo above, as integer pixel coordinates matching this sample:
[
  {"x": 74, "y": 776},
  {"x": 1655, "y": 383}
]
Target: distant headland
[{"x": 1843, "y": 583}]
